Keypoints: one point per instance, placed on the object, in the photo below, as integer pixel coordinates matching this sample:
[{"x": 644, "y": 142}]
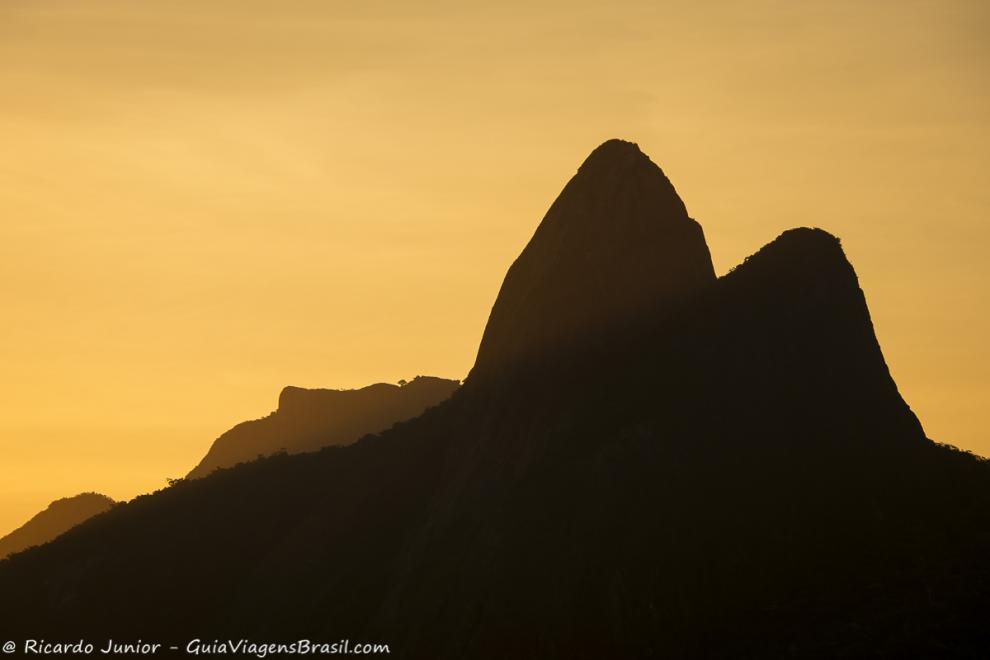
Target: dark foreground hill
[
  {"x": 308, "y": 420},
  {"x": 723, "y": 470},
  {"x": 60, "y": 516}
]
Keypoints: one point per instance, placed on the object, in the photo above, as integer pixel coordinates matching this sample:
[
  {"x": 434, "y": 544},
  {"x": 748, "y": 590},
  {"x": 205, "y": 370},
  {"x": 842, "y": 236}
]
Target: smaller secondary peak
[
  {"x": 802, "y": 255},
  {"x": 810, "y": 238},
  {"x": 809, "y": 246}
]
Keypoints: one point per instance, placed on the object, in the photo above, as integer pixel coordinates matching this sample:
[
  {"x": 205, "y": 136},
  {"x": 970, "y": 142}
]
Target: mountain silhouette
[
  {"x": 307, "y": 420},
  {"x": 616, "y": 242},
  {"x": 723, "y": 468},
  {"x": 60, "y": 516}
]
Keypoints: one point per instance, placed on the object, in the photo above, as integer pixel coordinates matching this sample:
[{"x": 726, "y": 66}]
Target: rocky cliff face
[{"x": 308, "y": 420}]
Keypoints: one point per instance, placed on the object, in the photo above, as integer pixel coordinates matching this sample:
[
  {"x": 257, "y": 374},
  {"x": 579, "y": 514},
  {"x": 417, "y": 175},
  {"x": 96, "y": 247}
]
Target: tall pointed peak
[
  {"x": 616, "y": 244},
  {"x": 618, "y": 166},
  {"x": 614, "y": 151},
  {"x": 619, "y": 157}
]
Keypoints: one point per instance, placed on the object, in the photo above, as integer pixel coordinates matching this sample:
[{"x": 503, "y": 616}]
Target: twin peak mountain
[
  {"x": 617, "y": 269},
  {"x": 645, "y": 460},
  {"x": 616, "y": 249}
]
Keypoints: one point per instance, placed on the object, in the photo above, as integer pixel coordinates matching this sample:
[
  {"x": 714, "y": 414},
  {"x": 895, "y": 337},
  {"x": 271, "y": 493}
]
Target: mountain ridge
[
  {"x": 732, "y": 474},
  {"x": 308, "y": 419},
  {"x": 57, "y": 518}
]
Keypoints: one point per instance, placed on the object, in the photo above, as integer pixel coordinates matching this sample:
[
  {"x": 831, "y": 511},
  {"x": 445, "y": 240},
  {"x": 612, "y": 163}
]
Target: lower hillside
[
  {"x": 60, "y": 516},
  {"x": 735, "y": 478}
]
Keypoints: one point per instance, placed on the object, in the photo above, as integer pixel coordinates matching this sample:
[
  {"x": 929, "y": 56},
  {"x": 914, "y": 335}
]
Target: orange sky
[{"x": 201, "y": 202}]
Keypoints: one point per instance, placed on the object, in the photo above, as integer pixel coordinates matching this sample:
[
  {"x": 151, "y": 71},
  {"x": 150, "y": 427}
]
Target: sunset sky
[{"x": 202, "y": 202}]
